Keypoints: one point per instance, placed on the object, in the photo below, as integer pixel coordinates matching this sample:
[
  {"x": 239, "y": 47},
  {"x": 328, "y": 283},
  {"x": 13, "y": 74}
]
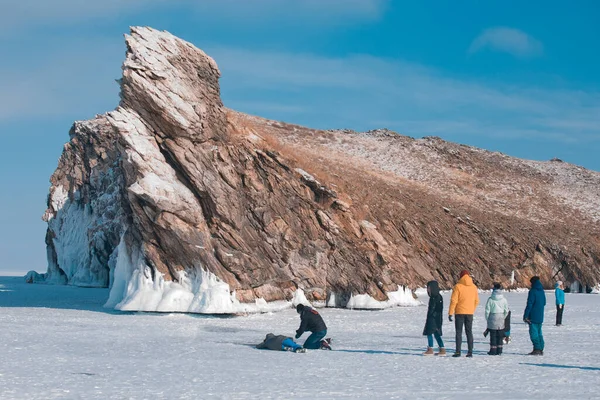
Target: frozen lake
[{"x": 60, "y": 343}]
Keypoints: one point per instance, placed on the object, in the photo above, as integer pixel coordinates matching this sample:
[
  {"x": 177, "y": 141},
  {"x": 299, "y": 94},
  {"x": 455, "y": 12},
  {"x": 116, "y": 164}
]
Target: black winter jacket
[
  {"x": 435, "y": 310},
  {"x": 311, "y": 321}
]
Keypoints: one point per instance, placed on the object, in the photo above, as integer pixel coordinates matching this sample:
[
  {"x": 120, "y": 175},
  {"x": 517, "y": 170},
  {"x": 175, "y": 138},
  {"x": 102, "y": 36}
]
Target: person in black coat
[
  {"x": 311, "y": 321},
  {"x": 433, "y": 324}
]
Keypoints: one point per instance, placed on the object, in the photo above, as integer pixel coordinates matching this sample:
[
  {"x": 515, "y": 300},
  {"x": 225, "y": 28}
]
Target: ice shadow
[
  {"x": 15, "y": 293},
  {"x": 416, "y": 353},
  {"x": 563, "y": 366}
]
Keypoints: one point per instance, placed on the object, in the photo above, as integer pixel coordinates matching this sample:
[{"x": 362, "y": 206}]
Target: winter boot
[
  {"x": 429, "y": 351},
  {"x": 325, "y": 345},
  {"x": 442, "y": 352},
  {"x": 493, "y": 351},
  {"x": 300, "y": 350},
  {"x": 456, "y": 354},
  {"x": 535, "y": 352},
  {"x": 499, "y": 350},
  {"x": 469, "y": 355}
]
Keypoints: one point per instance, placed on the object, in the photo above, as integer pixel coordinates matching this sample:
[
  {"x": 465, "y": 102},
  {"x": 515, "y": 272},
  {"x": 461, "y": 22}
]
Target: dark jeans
[
  {"x": 467, "y": 321},
  {"x": 559, "y": 312},
  {"x": 314, "y": 340}
]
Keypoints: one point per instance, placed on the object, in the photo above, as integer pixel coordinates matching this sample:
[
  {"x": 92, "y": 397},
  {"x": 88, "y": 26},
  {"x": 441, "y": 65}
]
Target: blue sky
[{"x": 516, "y": 77}]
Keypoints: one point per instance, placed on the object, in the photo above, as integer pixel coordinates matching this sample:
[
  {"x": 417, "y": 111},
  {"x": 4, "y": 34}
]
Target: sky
[{"x": 510, "y": 76}]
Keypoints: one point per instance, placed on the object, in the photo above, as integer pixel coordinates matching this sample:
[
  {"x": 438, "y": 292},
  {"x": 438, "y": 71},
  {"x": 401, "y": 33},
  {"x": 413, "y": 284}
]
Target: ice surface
[{"x": 59, "y": 342}]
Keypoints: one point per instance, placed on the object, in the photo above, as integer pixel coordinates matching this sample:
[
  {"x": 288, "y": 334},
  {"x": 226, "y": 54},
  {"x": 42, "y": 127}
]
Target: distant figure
[
  {"x": 534, "y": 315},
  {"x": 559, "y": 294},
  {"x": 433, "y": 323},
  {"x": 496, "y": 311},
  {"x": 311, "y": 321},
  {"x": 280, "y": 342},
  {"x": 464, "y": 301}
]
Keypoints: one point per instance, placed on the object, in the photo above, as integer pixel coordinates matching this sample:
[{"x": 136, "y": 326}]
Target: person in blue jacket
[
  {"x": 559, "y": 294},
  {"x": 534, "y": 315}
]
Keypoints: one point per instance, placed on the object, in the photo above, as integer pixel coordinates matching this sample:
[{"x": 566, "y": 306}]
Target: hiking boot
[
  {"x": 442, "y": 352},
  {"x": 325, "y": 345},
  {"x": 469, "y": 355},
  {"x": 429, "y": 351},
  {"x": 493, "y": 351},
  {"x": 535, "y": 352},
  {"x": 300, "y": 350},
  {"x": 456, "y": 354}
]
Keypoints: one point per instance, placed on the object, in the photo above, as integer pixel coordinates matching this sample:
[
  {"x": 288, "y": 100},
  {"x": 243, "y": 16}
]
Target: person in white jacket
[{"x": 496, "y": 310}]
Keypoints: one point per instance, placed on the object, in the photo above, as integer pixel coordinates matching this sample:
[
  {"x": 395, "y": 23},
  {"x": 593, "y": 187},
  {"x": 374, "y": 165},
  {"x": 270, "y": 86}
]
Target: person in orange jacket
[{"x": 463, "y": 303}]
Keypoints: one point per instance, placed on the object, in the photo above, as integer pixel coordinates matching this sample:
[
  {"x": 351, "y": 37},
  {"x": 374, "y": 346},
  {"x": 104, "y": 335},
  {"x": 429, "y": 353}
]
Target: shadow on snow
[{"x": 563, "y": 366}]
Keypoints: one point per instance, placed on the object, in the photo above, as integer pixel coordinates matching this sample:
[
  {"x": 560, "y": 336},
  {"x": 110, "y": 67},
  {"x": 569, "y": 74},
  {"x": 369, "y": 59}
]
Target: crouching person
[
  {"x": 311, "y": 321},
  {"x": 280, "y": 342}
]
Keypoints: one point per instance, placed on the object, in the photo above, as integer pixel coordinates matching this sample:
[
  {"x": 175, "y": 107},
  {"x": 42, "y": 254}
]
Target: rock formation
[{"x": 179, "y": 204}]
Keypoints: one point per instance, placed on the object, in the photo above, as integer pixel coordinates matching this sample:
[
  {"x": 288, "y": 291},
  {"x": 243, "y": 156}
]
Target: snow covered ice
[{"x": 59, "y": 342}]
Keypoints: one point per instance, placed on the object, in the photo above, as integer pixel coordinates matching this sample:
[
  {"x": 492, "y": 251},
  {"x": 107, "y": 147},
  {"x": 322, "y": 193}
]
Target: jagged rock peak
[
  {"x": 168, "y": 76},
  {"x": 179, "y": 204}
]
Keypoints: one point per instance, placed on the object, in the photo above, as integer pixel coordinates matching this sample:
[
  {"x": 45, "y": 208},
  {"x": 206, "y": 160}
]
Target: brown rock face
[{"x": 179, "y": 204}]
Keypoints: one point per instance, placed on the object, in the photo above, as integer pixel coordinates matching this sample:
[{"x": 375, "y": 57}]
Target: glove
[
  {"x": 297, "y": 336},
  {"x": 450, "y": 318},
  {"x": 527, "y": 321}
]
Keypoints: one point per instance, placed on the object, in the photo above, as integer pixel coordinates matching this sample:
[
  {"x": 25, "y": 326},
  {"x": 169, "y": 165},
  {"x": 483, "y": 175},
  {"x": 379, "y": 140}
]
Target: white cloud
[
  {"x": 507, "y": 40},
  {"x": 364, "y": 92}
]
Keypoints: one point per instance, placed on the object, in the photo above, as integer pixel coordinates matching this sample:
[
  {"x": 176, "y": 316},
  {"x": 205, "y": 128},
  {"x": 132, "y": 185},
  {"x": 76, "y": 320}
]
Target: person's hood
[
  {"x": 556, "y": 285},
  {"x": 269, "y": 336},
  {"x": 497, "y": 294},
  {"x": 433, "y": 288},
  {"x": 537, "y": 285},
  {"x": 466, "y": 280}
]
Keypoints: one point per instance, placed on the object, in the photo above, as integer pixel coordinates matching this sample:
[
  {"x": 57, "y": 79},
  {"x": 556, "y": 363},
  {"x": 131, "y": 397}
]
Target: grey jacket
[{"x": 272, "y": 342}]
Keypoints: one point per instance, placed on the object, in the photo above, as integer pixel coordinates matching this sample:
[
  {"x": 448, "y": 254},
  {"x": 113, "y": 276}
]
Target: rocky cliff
[{"x": 179, "y": 204}]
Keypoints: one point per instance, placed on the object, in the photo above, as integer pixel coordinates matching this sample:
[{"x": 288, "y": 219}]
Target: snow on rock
[{"x": 172, "y": 202}]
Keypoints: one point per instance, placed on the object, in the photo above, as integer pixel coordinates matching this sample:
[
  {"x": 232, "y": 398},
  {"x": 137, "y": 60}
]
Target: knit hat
[
  {"x": 559, "y": 283},
  {"x": 299, "y": 308},
  {"x": 463, "y": 273},
  {"x": 534, "y": 279},
  {"x": 497, "y": 286}
]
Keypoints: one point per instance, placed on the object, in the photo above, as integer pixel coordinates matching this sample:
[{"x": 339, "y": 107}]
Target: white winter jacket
[{"x": 496, "y": 310}]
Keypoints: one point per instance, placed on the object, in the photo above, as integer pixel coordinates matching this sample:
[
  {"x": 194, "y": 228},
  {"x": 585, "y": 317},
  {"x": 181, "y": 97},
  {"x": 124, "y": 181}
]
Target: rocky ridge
[{"x": 179, "y": 204}]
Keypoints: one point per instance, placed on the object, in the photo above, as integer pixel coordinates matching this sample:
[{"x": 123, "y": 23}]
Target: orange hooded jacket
[{"x": 464, "y": 298}]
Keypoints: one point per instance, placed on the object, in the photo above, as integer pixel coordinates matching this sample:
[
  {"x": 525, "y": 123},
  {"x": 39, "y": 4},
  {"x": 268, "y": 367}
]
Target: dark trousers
[
  {"x": 496, "y": 337},
  {"x": 467, "y": 321},
  {"x": 314, "y": 340},
  {"x": 559, "y": 312}
]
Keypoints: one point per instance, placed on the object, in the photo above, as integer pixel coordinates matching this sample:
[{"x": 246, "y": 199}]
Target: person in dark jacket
[
  {"x": 433, "y": 323},
  {"x": 311, "y": 321},
  {"x": 534, "y": 315},
  {"x": 280, "y": 342}
]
